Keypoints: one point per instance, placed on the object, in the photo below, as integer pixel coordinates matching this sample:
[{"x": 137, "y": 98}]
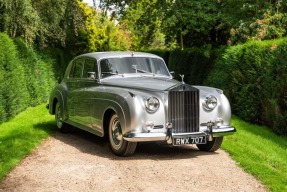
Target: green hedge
[
  {"x": 39, "y": 76},
  {"x": 195, "y": 64},
  {"x": 26, "y": 77},
  {"x": 254, "y": 77},
  {"x": 162, "y": 53},
  {"x": 14, "y": 93},
  {"x": 62, "y": 59}
]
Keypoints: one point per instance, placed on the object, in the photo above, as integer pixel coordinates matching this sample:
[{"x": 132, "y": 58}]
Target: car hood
[{"x": 146, "y": 83}]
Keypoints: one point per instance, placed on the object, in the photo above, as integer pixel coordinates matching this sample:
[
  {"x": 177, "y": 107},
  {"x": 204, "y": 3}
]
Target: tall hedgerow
[
  {"x": 14, "y": 93},
  {"x": 26, "y": 77},
  {"x": 38, "y": 72},
  {"x": 253, "y": 76},
  {"x": 194, "y": 63}
]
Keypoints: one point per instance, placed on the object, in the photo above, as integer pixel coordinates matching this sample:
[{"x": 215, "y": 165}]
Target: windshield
[{"x": 129, "y": 65}]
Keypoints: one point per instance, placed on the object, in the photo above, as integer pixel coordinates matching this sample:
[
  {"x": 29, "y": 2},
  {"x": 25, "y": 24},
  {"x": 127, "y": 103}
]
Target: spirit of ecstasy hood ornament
[{"x": 182, "y": 77}]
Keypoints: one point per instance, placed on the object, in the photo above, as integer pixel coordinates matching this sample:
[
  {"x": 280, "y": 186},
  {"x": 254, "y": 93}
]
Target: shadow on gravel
[{"x": 94, "y": 145}]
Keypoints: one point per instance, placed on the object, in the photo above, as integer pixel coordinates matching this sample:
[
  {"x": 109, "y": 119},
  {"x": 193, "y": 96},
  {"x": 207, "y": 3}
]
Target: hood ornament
[{"x": 182, "y": 77}]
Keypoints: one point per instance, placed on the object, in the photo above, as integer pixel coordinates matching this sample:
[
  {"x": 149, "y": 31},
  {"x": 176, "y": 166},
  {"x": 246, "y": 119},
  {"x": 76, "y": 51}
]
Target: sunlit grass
[
  {"x": 21, "y": 134},
  {"x": 260, "y": 152}
]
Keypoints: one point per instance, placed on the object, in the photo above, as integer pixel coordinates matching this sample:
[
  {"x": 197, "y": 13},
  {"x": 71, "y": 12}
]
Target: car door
[
  {"x": 73, "y": 86},
  {"x": 90, "y": 90}
]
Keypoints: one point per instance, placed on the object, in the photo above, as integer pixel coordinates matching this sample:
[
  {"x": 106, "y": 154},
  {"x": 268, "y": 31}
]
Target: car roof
[{"x": 117, "y": 54}]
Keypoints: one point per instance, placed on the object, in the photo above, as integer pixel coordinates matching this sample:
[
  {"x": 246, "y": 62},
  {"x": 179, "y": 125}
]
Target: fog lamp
[{"x": 219, "y": 122}]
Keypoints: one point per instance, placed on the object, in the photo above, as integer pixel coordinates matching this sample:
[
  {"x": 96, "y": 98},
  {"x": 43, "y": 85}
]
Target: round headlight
[
  {"x": 152, "y": 104},
  {"x": 210, "y": 102}
]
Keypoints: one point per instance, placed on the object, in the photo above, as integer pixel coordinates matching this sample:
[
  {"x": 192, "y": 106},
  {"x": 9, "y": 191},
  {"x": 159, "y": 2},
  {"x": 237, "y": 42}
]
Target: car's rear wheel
[
  {"x": 61, "y": 125},
  {"x": 211, "y": 145},
  {"x": 118, "y": 145}
]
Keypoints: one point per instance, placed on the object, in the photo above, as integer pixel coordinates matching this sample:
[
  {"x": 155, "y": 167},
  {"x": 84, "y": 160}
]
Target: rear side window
[{"x": 77, "y": 69}]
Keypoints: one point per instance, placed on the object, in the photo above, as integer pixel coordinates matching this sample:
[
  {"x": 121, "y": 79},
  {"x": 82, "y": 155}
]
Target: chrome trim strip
[
  {"x": 142, "y": 137},
  {"x": 226, "y": 130}
]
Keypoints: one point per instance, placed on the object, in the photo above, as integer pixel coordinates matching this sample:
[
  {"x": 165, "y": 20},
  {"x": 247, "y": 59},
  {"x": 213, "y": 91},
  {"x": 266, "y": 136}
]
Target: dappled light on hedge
[{"x": 26, "y": 77}]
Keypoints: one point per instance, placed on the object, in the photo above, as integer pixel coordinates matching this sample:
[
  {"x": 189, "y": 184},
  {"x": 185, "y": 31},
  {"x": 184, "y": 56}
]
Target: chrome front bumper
[{"x": 168, "y": 135}]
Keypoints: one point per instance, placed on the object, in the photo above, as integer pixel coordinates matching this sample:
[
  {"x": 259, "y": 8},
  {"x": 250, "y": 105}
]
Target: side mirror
[{"x": 92, "y": 75}]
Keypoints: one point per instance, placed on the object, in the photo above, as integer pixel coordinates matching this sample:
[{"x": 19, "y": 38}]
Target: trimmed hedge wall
[
  {"x": 26, "y": 77},
  {"x": 254, "y": 78},
  {"x": 195, "y": 64}
]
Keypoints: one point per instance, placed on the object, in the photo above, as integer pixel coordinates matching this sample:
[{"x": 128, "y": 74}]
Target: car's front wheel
[
  {"x": 211, "y": 145},
  {"x": 61, "y": 125},
  {"x": 118, "y": 145}
]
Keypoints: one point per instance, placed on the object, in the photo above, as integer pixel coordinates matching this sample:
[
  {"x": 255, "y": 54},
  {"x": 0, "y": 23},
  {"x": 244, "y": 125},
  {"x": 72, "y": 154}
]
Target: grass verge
[
  {"x": 21, "y": 134},
  {"x": 260, "y": 152}
]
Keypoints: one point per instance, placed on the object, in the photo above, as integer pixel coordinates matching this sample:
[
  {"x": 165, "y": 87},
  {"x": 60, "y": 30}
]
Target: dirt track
[{"x": 79, "y": 161}]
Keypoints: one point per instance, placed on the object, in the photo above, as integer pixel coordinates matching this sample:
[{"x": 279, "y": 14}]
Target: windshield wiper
[
  {"x": 140, "y": 70},
  {"x": 110, "y": 73}
]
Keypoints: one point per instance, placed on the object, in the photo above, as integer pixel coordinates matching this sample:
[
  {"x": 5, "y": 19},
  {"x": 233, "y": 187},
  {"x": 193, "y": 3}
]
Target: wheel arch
[
  {"x": 58, "y": 97},
  {"x": 106, "y": 120}
]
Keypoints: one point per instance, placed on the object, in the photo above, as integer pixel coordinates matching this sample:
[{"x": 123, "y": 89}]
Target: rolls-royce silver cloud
[{"x": 131, "y": 97}]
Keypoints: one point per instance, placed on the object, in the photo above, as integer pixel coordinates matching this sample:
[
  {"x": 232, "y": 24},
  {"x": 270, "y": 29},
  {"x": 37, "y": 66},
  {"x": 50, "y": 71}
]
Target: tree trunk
[{"x": 181, "y": 37}]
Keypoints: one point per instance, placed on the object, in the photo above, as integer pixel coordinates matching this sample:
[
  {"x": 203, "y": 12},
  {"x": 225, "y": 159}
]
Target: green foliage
[
  {"x": 39, "y": 78},
  {"x": 253, "y": 76},
  {"x": 19, "y": 19},
  {"x": 22, "y": 134},
  {"x": 26, "y": 77},
  {"x": 99, "y": 33},
  {"x": 260, "y": 152},
  {"x": 13, "y": 91},
  {"x": 193, "y": 63},
  {"x": 270, "y": 26},
  {"x": 61, "y": 59},
  {"x": 162, "y": 53},
  {"x": 191, "y": 22},
  {"x": 143, "y": 19}
]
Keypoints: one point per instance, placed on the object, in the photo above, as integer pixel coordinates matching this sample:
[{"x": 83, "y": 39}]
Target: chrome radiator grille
[{"x": 183, "y": 109}]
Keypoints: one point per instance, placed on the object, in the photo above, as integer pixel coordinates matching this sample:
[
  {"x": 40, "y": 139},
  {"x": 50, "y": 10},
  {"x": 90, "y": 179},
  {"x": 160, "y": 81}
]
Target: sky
[{"x": 90, "y": 2}]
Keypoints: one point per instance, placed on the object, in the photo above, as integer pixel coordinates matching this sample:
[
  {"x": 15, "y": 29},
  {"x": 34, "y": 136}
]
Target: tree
[
  {"x": 144, "y": 19},
  {"x": 19, "y": 18}
]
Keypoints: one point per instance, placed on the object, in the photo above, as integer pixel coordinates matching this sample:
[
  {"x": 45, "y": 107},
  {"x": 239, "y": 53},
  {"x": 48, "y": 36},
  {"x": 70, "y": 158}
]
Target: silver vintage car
[{"x": 131, "y": 97}]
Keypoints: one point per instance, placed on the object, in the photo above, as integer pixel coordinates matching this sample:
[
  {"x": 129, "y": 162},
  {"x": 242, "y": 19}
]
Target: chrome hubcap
[
  {"x": 59, "y": 117},
  {"x": 117, "y": 135}
]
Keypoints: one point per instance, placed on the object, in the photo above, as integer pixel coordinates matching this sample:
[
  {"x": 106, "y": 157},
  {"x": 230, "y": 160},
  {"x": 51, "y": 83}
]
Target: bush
[
  {"x": 254, "y": 76},
  {"x": 195, "y": 64},
  {"x": 26, "y": 77},
  {"x": 39, "y": 76},
  {"x": 162, "y": 53},
  {"x": 61, "y": 60},
  {"x": 14, "y": 93}
]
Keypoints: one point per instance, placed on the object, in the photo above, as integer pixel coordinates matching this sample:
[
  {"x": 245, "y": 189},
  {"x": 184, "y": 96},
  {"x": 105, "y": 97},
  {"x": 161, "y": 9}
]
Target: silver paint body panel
[{"x": 86, "y": 101}]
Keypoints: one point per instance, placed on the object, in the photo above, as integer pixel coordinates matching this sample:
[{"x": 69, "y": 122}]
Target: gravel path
[{"x": 79, "y": 161}]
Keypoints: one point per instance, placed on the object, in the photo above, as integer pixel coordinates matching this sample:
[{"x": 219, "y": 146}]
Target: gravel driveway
[{"x": 79, "y": 161}]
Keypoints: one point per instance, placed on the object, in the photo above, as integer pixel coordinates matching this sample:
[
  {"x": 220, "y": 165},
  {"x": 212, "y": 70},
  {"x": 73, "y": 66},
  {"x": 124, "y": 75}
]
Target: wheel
[
  {"x": 211, "y": 145},
  {"x": 118, "y": 145},
  {"x": 62, "y": 126}
]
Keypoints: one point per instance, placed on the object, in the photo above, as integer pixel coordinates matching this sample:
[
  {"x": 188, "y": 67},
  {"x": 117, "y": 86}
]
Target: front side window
[{"x": 128, "y": 65}]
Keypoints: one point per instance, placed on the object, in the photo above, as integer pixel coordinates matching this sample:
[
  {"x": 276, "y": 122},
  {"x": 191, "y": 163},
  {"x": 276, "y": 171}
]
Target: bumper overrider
[{"x": 181, "y": 138}]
